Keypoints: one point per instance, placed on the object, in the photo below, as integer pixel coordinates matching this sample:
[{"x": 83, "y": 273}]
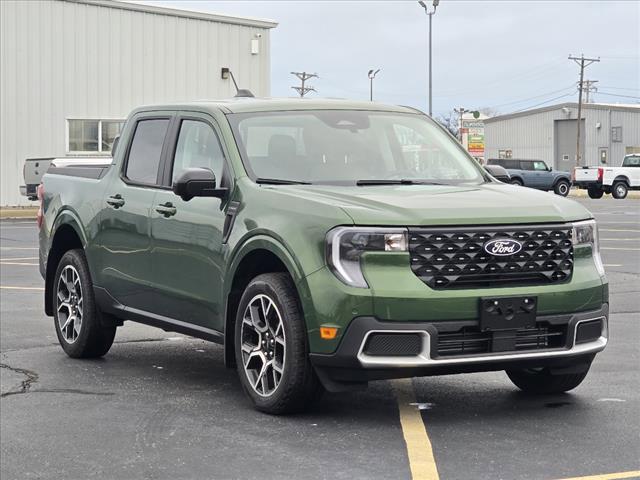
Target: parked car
[
  {"x": 320, "y": 252},
  {"x": 614, "y": 180},
  {"x": 34, "y": 169},
  {"x": 498, "y": 172},
  {"x": 535, "y": 174}
]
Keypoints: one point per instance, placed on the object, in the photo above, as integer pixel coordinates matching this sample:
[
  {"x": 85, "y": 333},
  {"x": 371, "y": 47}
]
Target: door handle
[
  {"x": 166, "y": 209},
  {"x": 116, "y": 201}
]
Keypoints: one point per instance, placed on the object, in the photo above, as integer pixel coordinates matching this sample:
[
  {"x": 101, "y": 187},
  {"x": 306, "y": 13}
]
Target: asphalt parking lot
[{"x": 161, "y": 405}]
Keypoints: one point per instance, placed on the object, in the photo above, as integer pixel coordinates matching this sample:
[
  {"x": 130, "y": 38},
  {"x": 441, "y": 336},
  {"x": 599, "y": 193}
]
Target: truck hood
[{"x": 494, "y": 203}]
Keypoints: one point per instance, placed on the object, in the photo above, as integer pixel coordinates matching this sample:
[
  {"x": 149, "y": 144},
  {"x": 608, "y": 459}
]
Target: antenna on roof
[{"x": 225, "y": 73}]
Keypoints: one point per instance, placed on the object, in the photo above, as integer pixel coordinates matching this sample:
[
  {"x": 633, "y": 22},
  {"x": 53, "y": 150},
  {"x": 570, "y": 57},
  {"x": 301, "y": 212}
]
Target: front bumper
[{"x": 350, "y": 365}]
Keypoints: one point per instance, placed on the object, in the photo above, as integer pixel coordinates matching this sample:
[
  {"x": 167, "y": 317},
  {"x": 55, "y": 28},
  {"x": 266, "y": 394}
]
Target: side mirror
[
  {"x": 549, "y": 169},
  {"x": 197, "y": 182}
]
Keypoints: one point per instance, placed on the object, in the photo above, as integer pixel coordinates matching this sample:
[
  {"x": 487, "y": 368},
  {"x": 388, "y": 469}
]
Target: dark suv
[{"x": 535, "y": 174}]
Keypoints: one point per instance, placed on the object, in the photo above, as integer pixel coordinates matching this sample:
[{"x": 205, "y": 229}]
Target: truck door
[
  {"x": 540, "y": 176},
  {"x": 187, "y": 236},
  {"x": 124, "y": 238}
]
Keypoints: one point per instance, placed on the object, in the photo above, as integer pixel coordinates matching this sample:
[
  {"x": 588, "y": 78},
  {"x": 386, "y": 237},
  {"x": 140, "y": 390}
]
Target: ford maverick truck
[{"x": 325, "y": 244}]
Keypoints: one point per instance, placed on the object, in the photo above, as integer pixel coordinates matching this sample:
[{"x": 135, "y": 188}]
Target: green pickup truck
[{"x": 325, "y": 244}]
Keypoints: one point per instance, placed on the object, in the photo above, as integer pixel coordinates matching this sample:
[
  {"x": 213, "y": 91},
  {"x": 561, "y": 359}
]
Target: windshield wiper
[
  {"x": 278, "y": 181},
  {"x": 404, "y": 181}
]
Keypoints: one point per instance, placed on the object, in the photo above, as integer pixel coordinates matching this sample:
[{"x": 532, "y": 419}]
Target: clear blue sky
[{"x": 508, "y": 55}]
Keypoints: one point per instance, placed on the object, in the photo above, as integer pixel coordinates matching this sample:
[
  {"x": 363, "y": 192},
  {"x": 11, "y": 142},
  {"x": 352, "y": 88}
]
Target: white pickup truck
[{"x": 614, "y": 180}]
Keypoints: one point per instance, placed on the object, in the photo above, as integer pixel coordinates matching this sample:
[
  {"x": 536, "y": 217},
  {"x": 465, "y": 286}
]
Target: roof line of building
[
  {"x": 174, "y": 12},
  {"x": 599, "y": 106}
]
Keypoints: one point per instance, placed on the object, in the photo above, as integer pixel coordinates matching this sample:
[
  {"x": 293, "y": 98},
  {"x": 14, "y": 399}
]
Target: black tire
[
  {"x": 619, "y": 189},
  {"x": 595, "y": 192},
  {"x": 93, "y": 339},
  {"x": 562, "y": 188},
  {"x": 543, "y": 382},
  {"x": 298, "y": 386},
  {"x": 517, "y": 181}
]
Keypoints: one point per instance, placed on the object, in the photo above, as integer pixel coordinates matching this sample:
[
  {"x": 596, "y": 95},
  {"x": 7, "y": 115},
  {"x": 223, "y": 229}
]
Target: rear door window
[
  {"x": 145, "y": 152},
  {"x": 526, "y": 165}
]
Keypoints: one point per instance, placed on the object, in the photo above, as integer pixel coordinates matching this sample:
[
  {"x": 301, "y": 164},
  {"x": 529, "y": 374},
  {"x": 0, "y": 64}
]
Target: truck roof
[{"x": 246, "y": 105}]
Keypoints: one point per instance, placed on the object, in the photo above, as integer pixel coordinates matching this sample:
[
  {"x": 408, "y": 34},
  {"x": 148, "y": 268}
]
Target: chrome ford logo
[{"x": 502, "y": 247}]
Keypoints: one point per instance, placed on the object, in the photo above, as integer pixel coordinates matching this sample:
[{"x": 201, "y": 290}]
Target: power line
[
  {"x": 542, "y": 103},
  {"x": 618, "y": 95},
  {"x": 304, "y": 76},
  {"x": 584, "y": 63},
  {"x": 532, "y": 98},
  {"x": 590, "y": 86}
]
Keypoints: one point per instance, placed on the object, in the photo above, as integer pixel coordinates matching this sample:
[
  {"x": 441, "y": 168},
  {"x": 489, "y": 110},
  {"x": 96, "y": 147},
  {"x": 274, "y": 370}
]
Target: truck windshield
[{"x": 347, "y": 147}]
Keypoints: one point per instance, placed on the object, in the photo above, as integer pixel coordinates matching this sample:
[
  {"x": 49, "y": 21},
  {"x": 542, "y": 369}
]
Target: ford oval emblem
[{"x": 502, "y": 247}]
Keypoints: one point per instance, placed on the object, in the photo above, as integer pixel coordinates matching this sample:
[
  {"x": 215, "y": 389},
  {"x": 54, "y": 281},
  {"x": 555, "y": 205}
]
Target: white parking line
[
  {"x": 617, "y": 248},
  {"x": 12, "y": 259},
  {"x": 7, "y": 287},
  {"x": 618, "y": 230},
  {"x": 19, "y": 263}
]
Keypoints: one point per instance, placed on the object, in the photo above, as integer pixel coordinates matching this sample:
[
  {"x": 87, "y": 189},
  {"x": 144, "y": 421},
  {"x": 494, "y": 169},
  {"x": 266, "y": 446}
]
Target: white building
[
  {"x": 608, "y": 133},
  {"x": 71, "y": 70}
]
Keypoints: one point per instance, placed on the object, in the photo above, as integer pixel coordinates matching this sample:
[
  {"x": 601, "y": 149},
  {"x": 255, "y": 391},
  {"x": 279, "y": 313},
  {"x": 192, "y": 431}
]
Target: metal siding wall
[
  {"x": 532, "y": 136},
  {"x": 63, "y": 60}
]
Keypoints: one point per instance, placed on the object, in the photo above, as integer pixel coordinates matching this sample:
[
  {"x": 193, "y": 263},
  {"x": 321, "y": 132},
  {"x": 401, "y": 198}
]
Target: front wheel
[
  {"x": 542, "y": 381},
  {"x": 562, "y": 188},
  {"x": 619, "y": 190},
  {"x": 76, "y": 317},
  {"x": 271, "y": 347},
  {"x": 595, "y": 193}
]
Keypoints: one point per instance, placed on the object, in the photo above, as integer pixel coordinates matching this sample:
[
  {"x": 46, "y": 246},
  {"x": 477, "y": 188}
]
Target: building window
[
  {"x": 505, "y": 154},
  {"x": 92, "y": 136},
  {"x": 616, "y": 134}
]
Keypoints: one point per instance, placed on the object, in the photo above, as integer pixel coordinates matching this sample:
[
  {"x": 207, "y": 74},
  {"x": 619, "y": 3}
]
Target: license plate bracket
[{"x": 507, "y": 313}]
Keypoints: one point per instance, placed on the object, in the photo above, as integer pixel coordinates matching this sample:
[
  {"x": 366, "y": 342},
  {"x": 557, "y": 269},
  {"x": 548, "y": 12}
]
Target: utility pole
[
  {"x": 372, "y": 74},
  {"x": 304, "y": 76},
  {"x": 589, "y": 86},
  {"x": 583, "y": 62}
]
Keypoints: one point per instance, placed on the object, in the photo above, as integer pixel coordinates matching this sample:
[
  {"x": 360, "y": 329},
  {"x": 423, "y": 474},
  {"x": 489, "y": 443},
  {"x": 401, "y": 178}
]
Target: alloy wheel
[
  {"x": 263, "y": 345},
  {"x": 69, "y": 304}
]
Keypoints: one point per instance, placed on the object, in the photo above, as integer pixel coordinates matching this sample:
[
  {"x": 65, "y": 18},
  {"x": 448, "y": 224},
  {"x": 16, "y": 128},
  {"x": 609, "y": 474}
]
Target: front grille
[
  {"x": 394, "y": 344},
  {"x": 470, "y": 340},
  {"x": 455, "y": 258}
]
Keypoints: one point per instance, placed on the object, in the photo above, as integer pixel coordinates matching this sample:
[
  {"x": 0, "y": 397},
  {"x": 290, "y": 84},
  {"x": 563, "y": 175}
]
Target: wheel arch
[
  {"x": 68, "y": 235},
  {"x": 259, "y": 254},
  {"x": 621, "y": 178}
]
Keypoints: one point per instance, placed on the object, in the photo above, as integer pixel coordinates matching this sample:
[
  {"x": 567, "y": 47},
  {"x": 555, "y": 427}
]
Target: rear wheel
[
  {"x": 619, "y": 190},
  {"x": 542, "y": 381},
  {"x": 562, "y": 188},
  {"x": 516, "y": 181},
  {"x": 271, "y": 347},
  {"x": 595, "y": 192},
  {"x": 76, "y": 318}
]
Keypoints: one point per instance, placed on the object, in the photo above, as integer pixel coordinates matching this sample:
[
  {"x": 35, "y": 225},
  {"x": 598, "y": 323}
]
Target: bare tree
[{"x": 449, "y": 121}]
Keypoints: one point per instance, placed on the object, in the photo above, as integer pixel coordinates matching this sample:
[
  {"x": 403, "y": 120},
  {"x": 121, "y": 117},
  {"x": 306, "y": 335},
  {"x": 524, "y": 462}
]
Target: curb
[
  {"x": 18, "y": 212},
  {"x": 581, "y": 193}
]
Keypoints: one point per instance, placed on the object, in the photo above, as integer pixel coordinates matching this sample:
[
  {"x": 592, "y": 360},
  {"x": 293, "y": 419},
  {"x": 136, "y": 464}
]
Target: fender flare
[
  {"x": 622, "y": 178},
  {"x": 260, "y": 241},
  {"x": 66, "y": 217}
]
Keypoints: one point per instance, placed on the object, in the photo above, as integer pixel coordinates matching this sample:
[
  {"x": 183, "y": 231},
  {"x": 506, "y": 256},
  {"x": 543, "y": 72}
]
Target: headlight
[
  {"x": 586, "y": 234},
  {"x": 345, "y": 246}
]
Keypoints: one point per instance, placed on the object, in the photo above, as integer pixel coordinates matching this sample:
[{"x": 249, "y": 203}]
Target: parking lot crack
[{"x": 25, "y": 385}]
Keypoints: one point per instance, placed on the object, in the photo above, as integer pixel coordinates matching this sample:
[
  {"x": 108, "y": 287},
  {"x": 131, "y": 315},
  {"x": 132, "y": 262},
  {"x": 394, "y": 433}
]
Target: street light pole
[
  {"x": 430, "y": 14},
  {"x": 372, "y": 74}
]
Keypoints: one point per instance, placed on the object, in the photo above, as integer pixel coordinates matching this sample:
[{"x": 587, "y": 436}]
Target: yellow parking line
[
  {"x": 419, "y": 451},
  {"x": 6, "y": 287},
  {"x": 17, "y": 263},
  {"x": 608, "y": 476}
]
